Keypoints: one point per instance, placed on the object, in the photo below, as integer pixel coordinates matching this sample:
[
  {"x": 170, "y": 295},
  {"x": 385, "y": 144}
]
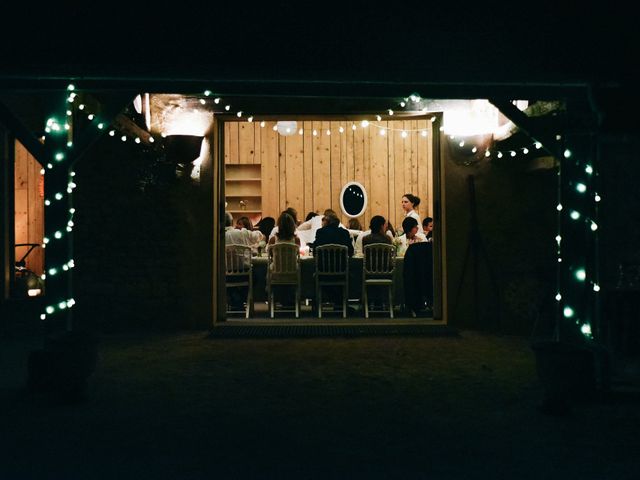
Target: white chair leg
[
  {"x": 390, "y": 303},
  {"x": 298, "y": 301},
  {"x": 344, "y": 301},
  {"x": 271, "y": 301},
  {"x": 319, "y": 301},
  {"x": 366, "y": 301}
]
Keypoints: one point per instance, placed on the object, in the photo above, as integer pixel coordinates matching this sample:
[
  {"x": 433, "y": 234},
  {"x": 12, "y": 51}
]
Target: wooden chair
[
  {"x": 377, "y": 270},
  {"x": 239, "y": 273},
  {"x": 332, "y": 268},
  {"x": 283, "y": 269}
]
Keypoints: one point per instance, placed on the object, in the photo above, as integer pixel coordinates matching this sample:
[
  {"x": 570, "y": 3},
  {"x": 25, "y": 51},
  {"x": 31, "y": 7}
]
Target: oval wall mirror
[{"x": 353, "y": 199}]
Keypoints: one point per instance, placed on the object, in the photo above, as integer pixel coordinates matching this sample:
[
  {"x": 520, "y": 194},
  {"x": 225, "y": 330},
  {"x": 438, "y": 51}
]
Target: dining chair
[
  {"x": 283, "y": 270},
  {"x": 332, "y": 269},
  {"x": 377, "y": 270},
  {"x": 239, "y": 274}
]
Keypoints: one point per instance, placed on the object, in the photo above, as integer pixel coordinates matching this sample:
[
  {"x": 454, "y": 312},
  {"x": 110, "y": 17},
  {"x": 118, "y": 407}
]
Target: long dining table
[{"x": 307, "y": 278}]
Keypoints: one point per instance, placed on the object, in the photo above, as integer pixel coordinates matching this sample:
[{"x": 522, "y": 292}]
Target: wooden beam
[
  {"x": 22, "y": 133},
  {"x": 509, "y": 110}
]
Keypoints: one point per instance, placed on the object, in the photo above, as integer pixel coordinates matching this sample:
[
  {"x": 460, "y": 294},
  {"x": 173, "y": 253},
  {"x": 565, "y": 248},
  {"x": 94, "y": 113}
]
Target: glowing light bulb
[
  {"x": 581, "y": 187},
  {"x": 239, "y": 114},
  {"x": 137, "y": 140},
  {"x": 81, "y": 106},
  {"x": 597, "y": 198},
  {"x": 538, "y": 145},
  {"x": 62, "y": 305},
  {"x": 402, "y": 104},
  {"x": 568, "y": 312},
  {"x": 328, "y": 132},
  {"x": 151, "y": 140},
  {"x": 499, "y": 154},
  {"x": 424, "y": 133},
  {"x": 52, "y": 271},
  {"x": 275, "y": 128},
  {"x": 315, "y": 133},
  {"x": 341, "y": 129},
  {"x": 487, "y": 153},
  {"x": 378, "y": 118},
  {"x": 575, "y": 215},
  {"x": 474, "y": 149},
  {"x": 558, "y": 297},
  {"x": 513, "y": 154},
  {"x": 91, "y": 116},
  {"x": 50, "y": 309},
  {"x": 47, "y": 202},
  {"x": 250, "y": 119},
  {"x": 364, "y": 123},
  {"x": 525, "y": 150},
  {"x": 58, "y": 196},
  {"x": 112, "y": 133},
  {"x": 58, "y": 234},
  {"x": 227, "y": 107},
  {"x": 123, "y": 138},
  {"x": 300, "y": 132},
  {"x": 216, "y": 100},
  {"x": 461, "y": 144},
  {"x": 404, "y": 134},
  {"x": 59, "y": 156},
  {"x": 353, "y": 126},
  {"x": 581, "y": 274},
  {"x": 383, "y": 132},
  {"x": 559, "y": 207},
  {"x": 71, "y": 87},
  {"x": 72, "y": 210},
  {"x": 207, "y": 93},
  {"x": 262, "y": 124},
  {"x": 588, "y": 169},
  {"x": 202, "y": 101},
  {"x": 558, "y": 238},
  {"x": 390, "y": 112},
  {"x": 596, "y": 287},
  {"x": 567, "y": 153},
  {"x": 586, "y": 329},
  {"x": 594, "y": 226}
]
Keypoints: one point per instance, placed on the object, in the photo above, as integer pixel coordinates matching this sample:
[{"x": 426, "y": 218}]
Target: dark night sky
[{"x": 342, "y": 39}]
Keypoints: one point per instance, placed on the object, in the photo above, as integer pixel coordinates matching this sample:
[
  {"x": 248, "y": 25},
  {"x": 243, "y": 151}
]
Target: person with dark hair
[
  {"x": 286, "y": 230},
  {"x": 354, "y": 224},
  {"x": 411, "y": 234},
  {"x": 293, "y": 213},
  {"x": 241, "y": 235},
  {"x": 310, "y": 215},
  {"x": 307, "y": 230},
  {"x": 360, "y": 238},
  {"x": 332, "y": 233},
  {"x": 244, "y": 222},
  {"x": 427, "y": 228},
  {"x": 377, "y": 225},
  {"x": 410, "y": 206},
  {"x": 265, "y": 225}
]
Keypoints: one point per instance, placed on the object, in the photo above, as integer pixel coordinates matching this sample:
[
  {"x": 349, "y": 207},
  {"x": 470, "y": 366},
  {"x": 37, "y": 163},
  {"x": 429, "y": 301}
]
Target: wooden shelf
[{"x": 243, "y": 181}]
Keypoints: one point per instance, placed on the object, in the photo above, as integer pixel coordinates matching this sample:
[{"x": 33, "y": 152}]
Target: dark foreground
[{"x": 188, "y": 406}]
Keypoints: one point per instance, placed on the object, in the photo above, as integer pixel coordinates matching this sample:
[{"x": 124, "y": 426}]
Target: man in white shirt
[{"x": 240, "y": 236}]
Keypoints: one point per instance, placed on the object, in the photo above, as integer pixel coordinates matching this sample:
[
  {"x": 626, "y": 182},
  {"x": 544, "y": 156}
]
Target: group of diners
[{"x": 325, "y": 229}]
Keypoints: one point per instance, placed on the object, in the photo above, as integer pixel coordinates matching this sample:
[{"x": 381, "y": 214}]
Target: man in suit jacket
[{"x": 331, "y": 232}]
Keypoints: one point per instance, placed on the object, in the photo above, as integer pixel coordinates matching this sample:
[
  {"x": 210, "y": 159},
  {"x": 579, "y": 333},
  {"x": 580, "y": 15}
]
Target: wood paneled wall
[
  {"x": 29, "y": 207},
  {"x": 307, "y": 172}
]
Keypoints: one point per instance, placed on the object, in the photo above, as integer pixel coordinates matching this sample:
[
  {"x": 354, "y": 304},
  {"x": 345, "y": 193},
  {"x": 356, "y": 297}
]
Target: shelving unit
[{"x": 243, "y": 183}]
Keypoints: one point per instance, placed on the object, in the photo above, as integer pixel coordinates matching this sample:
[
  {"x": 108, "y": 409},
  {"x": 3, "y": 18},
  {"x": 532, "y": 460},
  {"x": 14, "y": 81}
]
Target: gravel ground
[{"x": 187, "y": 406}]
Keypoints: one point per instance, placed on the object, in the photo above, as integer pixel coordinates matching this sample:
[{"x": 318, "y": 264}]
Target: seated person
[
  {"x": 265, "y": 225},
  {"x": 307, "y": 230},
  {"x": 294, "y": 215},
  {"x": 377, "y": 229},
  {"x": 379, "y": 234},
  {"x": 241, "y": 235},
  {"x": 332, "y": 233},
  {"x": 411, "y": 235},
  {"x": 427, "y": 228},
  {"x": 360, "y": 238},
  {"x": 286, "y": 230}
]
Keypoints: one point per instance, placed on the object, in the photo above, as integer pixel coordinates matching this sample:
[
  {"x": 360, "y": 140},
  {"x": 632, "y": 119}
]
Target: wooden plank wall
[
  {"x": 308, "y": 171},
  {"x": 29, "y": 207}
]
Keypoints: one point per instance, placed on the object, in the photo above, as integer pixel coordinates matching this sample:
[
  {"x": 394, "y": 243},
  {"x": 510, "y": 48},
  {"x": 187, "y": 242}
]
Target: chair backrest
[
  {"x": 379, "y": 259},
  {"x": 331, "y": 260},
  {"x": 237, "y": 260},
  {"x": 283, "y": 262}
]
